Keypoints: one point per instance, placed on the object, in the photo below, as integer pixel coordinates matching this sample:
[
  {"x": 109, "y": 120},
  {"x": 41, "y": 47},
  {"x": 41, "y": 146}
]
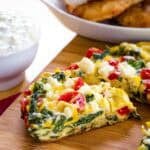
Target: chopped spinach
[
  {"x": 33, "y": 106},
  {"x": 97, "y": 56},
  {"x": 79, "y": 73},
  {"x": 38, "y": 119},
  {"x": 113, "y": 118},
  {"x": 60, "y": 76},
  {"x": 89, "y": 98},
  {"x": 44, "y": 80},
  {"x": 88, "y": 118},
  {"x": 120, "y": 79},
  {"x": 59, "y": 124},
  {"x": 137, "y": 64},
  {"x": 38, "y": 90},
  {"x": 34, "y": 118},
  {"x": 122, "y": 50},
  {"x": 47, "y": 112}
]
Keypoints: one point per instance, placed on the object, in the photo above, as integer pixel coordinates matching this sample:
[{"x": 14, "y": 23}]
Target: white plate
[{"x": 98, "y": 31}]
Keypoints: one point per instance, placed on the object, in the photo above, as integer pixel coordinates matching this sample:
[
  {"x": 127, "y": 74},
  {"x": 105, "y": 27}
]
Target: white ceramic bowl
[
  {"x": 12, "y": 67},
  {"x": 98, "y": 31}
]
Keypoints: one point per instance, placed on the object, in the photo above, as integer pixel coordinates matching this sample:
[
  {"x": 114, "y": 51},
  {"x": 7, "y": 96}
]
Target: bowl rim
[{"x": 127, "y": 29}]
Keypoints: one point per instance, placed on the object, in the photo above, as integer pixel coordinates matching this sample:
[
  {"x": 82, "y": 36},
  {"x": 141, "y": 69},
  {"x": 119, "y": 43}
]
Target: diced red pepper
[
  {"x": 27, "y": 92},
  {"x": 114, "y": 63},
  {"x": 26, "y": 121},
  {"x": 114, "y": 75},
  {"x": 124, "y": 111},
  {"x": 73, "y": 67},
  {"x": 67, "y": 96},
  {"x": 24, "y": 102},
  {"x": 75, "y": 98},
  {"x": 145, "y": 74},
  {"x": 92, "y": 51},
  {"x": 79, "y": 100},
  {"x": 78, "y": 83}
]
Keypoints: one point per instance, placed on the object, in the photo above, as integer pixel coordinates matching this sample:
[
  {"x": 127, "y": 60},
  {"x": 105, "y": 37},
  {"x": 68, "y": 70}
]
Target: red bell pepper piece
[
  {"x": 74, "y": 98},
  {"x": 27, "y": 92},
  {"x": 24, "y": 102},
  {"x": 78, "y": 83},
  {"x": 67, "y": 96},
  {"x": 92, "y": 51},
  {"x": 124, "y": 111},
  {"x": 145, "y": 74},
  {"x": 73, "y": 67},
  {"x": 114, "y": 63},
  {"x": 114, "y": 75}
]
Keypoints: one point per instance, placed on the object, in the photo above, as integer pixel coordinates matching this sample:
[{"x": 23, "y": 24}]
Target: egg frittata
[{"x": 59, "y": 105}]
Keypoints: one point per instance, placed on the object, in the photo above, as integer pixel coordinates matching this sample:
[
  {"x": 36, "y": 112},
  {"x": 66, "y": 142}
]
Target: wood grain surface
[{"x": 122, "y": 136}]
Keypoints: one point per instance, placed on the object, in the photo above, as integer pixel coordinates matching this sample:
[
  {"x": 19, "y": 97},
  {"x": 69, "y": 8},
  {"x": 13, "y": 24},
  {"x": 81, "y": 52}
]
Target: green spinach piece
[
  {"x": 38, "y": 90},
  {"x": 59, "y": 124},
  {"x": 44, "y": 80},
  {"x": 80, "y": 73},
  {"x": 60, "y": 76},
  {"x": 89, "y": 97},
  {"x": 97, "y": 56},
  {"x": 33, "y": 106},
  {"x": 34, "y": 118},
  {"x": 46, "y": 112},
  {"x": 137, "y": 64},
  {"x": 88, "y": 118}
]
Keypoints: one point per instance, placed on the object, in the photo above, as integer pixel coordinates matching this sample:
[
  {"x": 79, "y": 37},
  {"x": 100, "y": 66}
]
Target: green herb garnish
[
  {"x": 59, "y": 123},
  {"x": 60, "y": 76},
  {"x": 89, "y": 98},
  {"x": 97, "y": 56},
  {"x": 88, "y": 118},
  {"x": 137, "y": 64}
]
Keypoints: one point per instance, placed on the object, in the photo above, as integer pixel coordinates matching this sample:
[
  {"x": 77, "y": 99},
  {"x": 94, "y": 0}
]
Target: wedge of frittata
[
  {"x": 58, "y": 105},
  {"x": 125, "y": 66}
]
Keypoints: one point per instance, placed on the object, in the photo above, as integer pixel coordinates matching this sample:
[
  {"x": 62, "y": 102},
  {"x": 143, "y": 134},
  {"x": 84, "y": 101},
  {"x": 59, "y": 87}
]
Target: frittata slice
[
  {"x": 145, "y": 143},
  {"x": 59, "y": 105},
  {"x": 123, "y": 66}
]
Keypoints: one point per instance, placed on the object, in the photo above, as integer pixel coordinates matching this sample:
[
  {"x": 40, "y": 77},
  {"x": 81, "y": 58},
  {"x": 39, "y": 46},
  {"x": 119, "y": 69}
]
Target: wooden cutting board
[{"x": 122, "y": 136}]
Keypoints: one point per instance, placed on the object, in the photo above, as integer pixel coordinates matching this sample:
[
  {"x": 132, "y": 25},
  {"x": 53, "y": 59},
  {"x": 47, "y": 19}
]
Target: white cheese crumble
[
  {"x": 105, "y": 69},
  {"x": 85, "y": 89},
  {"x": 76, "y": 2},
  {"x": 87, "y": 65},
  {"x": 47, "y": 87},
  {"x": 54, "y": 82},
  {"x": 17, "y": 32},
  {"x": 148, "y": 65},
  {"x": 95, "y": 107},
  {"x": 69, "y": 83},
  {"x": 68, "y": 112},
  {"x": 126, "y": 69}
]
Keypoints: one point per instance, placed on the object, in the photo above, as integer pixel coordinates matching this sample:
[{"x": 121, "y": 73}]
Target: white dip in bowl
[{"x": 19, "y": 36}]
